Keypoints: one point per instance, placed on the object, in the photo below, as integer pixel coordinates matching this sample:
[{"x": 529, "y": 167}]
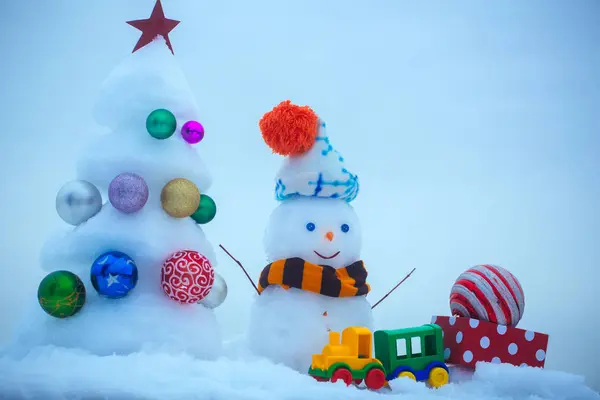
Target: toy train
[{"x": 416, "y": 353}]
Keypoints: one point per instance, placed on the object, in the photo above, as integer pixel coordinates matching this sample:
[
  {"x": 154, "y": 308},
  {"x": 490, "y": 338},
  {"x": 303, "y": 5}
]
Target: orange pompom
[{"x": 289, "y": 129}]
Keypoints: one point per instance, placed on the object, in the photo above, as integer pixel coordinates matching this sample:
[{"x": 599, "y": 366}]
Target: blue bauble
[{"x": 114, "y": 274}]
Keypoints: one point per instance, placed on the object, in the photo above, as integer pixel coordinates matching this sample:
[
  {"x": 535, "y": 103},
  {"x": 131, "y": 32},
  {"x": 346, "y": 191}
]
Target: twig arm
[
  {"x": 241, "y": 266},
  {"x": 394, "y": 288}
]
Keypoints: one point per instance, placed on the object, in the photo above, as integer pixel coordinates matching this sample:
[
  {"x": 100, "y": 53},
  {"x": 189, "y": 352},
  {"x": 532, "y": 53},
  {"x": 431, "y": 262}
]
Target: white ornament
[
  {"x": 78, "y": 201},
  {"x": 217, "y": 294}
]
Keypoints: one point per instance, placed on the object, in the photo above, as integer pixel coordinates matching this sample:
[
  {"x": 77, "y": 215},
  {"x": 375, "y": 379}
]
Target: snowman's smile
[{"x": 327, "y": 258}]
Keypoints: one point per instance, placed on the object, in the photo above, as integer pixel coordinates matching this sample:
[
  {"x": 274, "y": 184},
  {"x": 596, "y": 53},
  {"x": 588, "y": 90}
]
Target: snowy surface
[
  {"x": 148, "y": 236},
  {"x": 145, "y": 318},
  {"x": 148, "y": 79},
  {"x": 282, "y": 336},
  {"x": 138, "y": 322},
  {"x": 145, "y": 81},
  {"x": 51, "y": 373},
  {"x": 157, "y": 161}
]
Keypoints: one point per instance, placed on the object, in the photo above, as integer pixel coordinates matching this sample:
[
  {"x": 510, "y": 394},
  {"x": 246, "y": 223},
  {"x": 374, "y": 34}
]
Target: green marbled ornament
[
  {"x": 61, "y": 294},
  {"x": 206, "y": 210},
  {"x": 161, "y": 124}
]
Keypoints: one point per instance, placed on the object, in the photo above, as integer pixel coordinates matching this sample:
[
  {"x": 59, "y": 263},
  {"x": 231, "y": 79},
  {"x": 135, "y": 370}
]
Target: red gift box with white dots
[{"x": 468, "y": 340}]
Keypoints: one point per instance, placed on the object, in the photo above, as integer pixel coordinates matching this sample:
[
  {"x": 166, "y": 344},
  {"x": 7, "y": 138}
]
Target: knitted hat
[{"x": 312, "y": 168}]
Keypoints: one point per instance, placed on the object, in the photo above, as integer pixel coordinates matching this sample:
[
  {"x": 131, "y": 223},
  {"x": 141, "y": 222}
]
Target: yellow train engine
[{"x": 416, "y": 353}]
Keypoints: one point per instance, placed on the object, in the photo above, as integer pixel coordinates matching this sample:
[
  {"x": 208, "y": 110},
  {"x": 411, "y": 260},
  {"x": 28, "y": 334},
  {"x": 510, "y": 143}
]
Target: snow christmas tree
[{"x": 131, "y": 273}]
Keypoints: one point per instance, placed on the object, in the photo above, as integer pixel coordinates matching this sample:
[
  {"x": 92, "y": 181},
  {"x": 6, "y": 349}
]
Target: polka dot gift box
[
  {"x": 468, "y": 340},
  {"x": 487, "y": 302}
]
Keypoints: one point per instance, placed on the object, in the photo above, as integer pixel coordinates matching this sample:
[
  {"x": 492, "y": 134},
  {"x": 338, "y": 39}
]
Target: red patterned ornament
[
  {"x": 187, "y": 277},
  {"x": 488, "y": 293}
]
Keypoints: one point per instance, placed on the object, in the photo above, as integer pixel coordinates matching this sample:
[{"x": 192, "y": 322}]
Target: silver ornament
[
  {"x": 217, "y": 294},
  {"x": 78, "y": 201}
]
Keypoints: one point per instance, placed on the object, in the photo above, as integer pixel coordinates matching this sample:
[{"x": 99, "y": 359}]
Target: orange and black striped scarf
[{"x": 322, "y": 279}]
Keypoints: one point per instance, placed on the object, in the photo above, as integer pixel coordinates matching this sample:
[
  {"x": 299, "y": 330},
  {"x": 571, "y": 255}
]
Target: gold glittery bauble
[{"x": 180, "y": 198}]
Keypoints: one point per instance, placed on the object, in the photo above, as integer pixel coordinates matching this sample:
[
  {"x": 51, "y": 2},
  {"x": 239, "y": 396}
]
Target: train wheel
[
  {"x": 407, "y": 374},
  {"x": 358, "y": 381},
  {"x": 319, "y": 379},
  {"x": 342, "y": 374},
  {"x": 375, "y": 379},
  {"x": 438, "y": 377}
]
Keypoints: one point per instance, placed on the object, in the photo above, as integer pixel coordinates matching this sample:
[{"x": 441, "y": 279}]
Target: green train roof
[{"x": 417, "y": 330}]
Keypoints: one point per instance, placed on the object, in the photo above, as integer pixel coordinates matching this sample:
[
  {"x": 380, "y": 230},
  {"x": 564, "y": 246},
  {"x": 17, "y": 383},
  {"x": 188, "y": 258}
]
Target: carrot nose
[{"x": 329, "y": 236}]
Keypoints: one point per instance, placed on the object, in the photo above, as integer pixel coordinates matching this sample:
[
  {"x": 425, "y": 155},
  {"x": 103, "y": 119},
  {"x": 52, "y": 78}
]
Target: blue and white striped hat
[
  {"x": 320, "y": 172},
  {"x": 312, "y": 168}
]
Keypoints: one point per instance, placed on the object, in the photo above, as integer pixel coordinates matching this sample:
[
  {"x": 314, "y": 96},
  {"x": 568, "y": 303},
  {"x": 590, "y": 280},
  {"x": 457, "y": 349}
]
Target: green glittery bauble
[
  {"x": 61, "y": 294},
  {"x": 161, "y": 124},
  {"x": 206, "y": 210}
]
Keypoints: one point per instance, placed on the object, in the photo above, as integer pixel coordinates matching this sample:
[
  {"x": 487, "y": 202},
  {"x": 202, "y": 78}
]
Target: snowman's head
[{"x": 319, "y": 230}]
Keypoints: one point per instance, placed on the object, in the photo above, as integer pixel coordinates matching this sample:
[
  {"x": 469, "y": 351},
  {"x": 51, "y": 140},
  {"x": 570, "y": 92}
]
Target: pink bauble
[
  {"x": 192, "y": 132},
  {"x": 488, "y": 293},
  {"x": 187, "y": 277},
  {"x": 128, "y": 193}
]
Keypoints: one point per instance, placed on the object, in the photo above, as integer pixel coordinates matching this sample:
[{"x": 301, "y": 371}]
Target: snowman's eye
[
  {"x": 345, "y": 228},
  {"x": 310, "y": 227}
]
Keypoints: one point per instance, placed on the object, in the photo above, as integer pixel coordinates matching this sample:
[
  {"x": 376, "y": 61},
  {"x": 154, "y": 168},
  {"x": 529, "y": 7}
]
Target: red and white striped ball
[
  {"x": 488, "y": 293},
  {"x": 187, "y": 277}
]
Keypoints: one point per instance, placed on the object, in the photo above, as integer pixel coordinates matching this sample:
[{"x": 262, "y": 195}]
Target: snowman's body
[
  {"x": 290, "y": 325},
  {"x": 315, "y": 280}
]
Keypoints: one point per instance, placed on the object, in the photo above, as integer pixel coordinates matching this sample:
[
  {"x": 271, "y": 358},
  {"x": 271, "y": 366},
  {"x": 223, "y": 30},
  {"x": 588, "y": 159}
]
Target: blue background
[{"x": 473, "y": 127}]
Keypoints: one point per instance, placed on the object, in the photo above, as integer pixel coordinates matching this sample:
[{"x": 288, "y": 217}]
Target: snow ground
[{"x": 52, "y": 373}]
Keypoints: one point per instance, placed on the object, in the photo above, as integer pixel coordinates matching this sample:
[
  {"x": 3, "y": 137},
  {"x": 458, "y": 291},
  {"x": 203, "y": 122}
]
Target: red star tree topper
[{"x": 154, "y": 26}]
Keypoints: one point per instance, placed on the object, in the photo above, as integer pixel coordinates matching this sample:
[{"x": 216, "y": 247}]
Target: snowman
[{"x": 315, "y": 281}]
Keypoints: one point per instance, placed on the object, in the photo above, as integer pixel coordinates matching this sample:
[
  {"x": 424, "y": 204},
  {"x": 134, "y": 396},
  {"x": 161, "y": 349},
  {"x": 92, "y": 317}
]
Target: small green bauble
[
  {"x": 61, "y": 294},
  {"x": 206, "y": 210},
  {"x": 161, "y": 124}
]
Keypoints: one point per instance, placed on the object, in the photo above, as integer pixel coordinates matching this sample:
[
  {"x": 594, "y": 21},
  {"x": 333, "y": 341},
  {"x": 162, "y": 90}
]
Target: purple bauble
[
  {"x": 192, "y": 132},
  {"x": 128, "y": 193}
]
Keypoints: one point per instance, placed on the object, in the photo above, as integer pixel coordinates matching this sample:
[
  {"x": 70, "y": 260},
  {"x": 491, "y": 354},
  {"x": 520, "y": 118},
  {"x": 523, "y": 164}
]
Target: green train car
[{"x": 416, "y": 353}]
